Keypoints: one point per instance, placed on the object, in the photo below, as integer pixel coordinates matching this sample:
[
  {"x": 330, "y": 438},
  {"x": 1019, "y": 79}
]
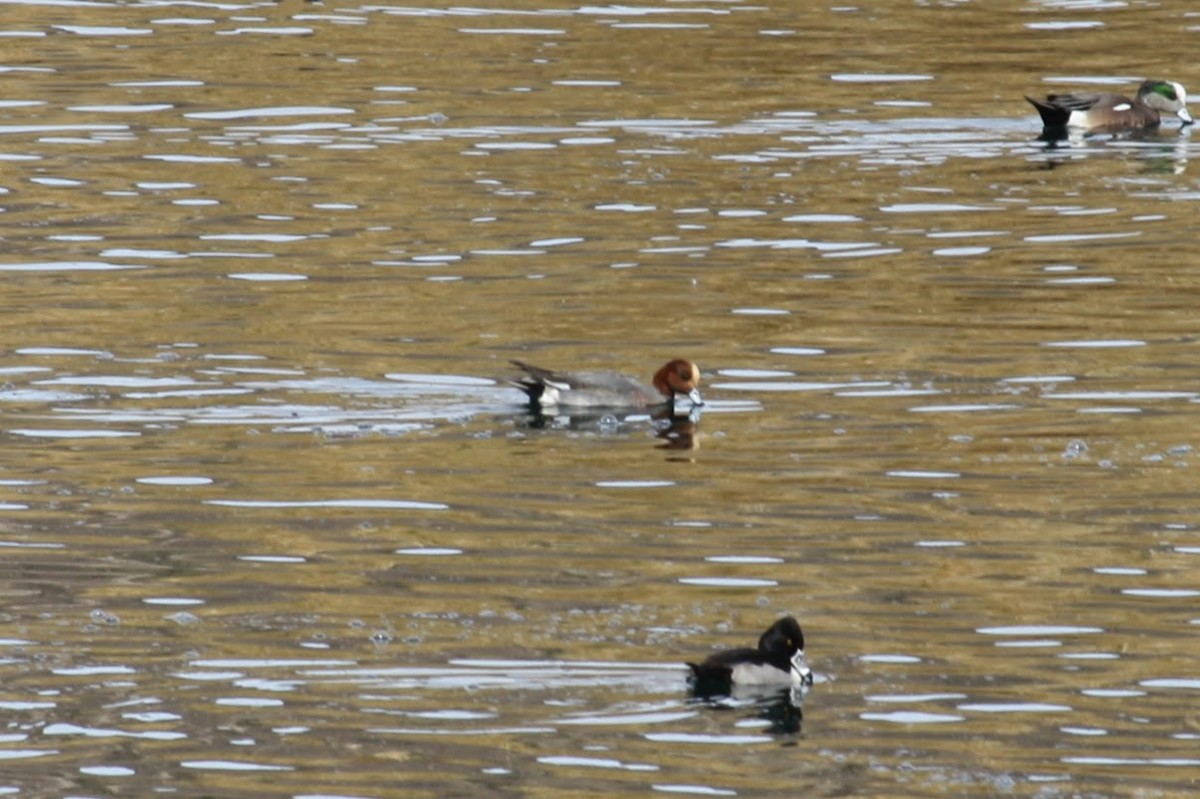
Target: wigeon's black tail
[
  {"x": 1053, "y": 116},
  {"x": 534, "y": 383}
]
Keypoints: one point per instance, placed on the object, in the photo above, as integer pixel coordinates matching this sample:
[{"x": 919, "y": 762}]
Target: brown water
[{"x": 274, "y": 525}]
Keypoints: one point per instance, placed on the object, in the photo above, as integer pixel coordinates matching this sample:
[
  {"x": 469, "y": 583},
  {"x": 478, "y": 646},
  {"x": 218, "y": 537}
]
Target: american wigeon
[
  {"x": 547, "y": 389},
  {"x": 1111, "y": 112},
  {"x": 778, "y": 660}
]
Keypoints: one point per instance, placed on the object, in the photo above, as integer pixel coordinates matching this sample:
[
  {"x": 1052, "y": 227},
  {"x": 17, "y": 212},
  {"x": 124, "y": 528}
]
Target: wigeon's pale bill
[
  {"x": 546, "y": 388},
  {"x": 1114, "y": 112},
  {"x": 778, "y": 660}
]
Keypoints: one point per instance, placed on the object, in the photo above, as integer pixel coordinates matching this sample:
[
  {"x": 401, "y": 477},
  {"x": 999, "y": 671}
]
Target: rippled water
[{"x": 275, "y": 524}]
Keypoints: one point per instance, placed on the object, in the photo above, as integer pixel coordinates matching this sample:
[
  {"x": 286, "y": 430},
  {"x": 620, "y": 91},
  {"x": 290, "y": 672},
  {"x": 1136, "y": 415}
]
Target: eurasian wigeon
[{"x": 548, "y": 389}]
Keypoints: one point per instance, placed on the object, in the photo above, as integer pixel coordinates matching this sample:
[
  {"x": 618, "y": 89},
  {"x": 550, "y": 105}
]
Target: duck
[
  {"x": 1113, "y": 112},
  {"x": 778, "y": 661},
  {"x": 546, "y": 388}
]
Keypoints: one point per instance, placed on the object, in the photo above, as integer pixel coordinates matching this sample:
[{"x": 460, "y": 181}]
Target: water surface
[{"x": 275, "y": 524}]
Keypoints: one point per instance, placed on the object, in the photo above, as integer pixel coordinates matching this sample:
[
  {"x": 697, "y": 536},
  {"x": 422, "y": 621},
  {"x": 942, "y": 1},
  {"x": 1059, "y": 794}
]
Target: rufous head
[{"x": 679, "y": 377}]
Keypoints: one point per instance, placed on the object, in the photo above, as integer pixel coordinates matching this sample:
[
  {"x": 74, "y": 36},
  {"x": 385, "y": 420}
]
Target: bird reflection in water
[
  {"x": 781, "y": 708},
  {"x": 678, "y": 431},
  {"x": 1160, "y": 152}
]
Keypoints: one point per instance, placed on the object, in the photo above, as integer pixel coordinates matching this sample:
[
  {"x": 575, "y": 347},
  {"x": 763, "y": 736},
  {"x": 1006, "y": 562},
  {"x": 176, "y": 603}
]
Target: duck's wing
[
  {"x": 1057, "y": 109},
  {"x": 536, "y": 372},
  {"x": 564, "y": 381},
  {"x": 1082, "y": 101},
  {"x": 719, "y": 665}
]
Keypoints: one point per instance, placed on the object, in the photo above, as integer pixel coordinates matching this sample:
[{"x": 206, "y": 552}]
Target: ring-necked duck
[
  {"x": 547, "y": 389},
  {"x": 779, "y": 660},
  {"x": 1114, "y": 112}
]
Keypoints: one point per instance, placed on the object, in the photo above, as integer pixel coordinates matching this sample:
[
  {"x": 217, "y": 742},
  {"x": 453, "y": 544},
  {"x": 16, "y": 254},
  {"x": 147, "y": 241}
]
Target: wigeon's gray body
[
  {"x": 1114, "y": 112},
  {"x": 550, "y": 389}
]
